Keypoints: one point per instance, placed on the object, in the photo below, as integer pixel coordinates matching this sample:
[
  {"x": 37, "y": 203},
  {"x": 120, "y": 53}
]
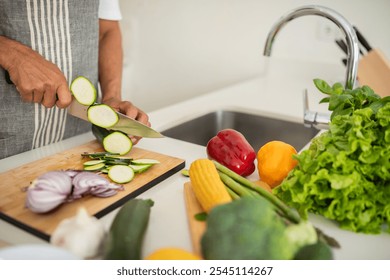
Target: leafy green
[{"x": 345, "y": 173}]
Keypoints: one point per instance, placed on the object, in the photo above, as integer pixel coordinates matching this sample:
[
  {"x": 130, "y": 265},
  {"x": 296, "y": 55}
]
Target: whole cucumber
[{"x": 126, "y": 234}]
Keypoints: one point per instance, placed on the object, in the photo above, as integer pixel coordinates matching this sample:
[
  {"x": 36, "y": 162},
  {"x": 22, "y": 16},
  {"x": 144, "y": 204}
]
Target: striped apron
[{"x": 65, "y": 32}]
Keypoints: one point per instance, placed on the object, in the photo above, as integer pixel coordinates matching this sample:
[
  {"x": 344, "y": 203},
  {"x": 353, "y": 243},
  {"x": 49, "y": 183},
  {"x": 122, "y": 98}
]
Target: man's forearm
[
  {"x": 110, "y": 59},
  {"x": 8, "y": 47}
]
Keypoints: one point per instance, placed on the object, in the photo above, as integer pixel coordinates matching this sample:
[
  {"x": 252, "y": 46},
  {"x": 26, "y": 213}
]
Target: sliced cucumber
[
  {"x": 98, "y": 155},
  {"x": 117, "y": 142},
  {"x": 121, "y": 174},
  {"x": 93, "y": 162},
  {"x": 185, "y": 172},
  {"x": 102, "y": 115},
  {"x": 117, "y": 157},
  {"x": 140, "y": 167},
  {"x": 105, "y": 170},
  {"x": 143, "y": 161},
  {"x": 95, "y": 167},
  {"x": 83, "y": 90}
]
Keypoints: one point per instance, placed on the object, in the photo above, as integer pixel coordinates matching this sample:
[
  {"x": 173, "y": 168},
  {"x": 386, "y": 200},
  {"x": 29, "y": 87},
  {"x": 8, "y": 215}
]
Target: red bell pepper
[{"x": 230, "y": 148}]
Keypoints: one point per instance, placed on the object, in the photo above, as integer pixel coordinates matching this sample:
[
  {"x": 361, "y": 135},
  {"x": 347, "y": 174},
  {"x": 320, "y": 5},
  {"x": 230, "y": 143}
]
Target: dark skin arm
[
  {"x": 37, "y": 79},
  {"x": 110, "y": 72},
  {"x": 40, "y": 81}
]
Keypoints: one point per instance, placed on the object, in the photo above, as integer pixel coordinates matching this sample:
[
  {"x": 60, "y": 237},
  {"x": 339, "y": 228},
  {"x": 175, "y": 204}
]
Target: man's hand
[
  {"x": 128, "y": 109},
  {"x": 36, "y": 79}
]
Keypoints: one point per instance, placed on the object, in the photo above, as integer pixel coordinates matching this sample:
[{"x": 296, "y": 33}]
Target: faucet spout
[{"x": 339, "y": 20}]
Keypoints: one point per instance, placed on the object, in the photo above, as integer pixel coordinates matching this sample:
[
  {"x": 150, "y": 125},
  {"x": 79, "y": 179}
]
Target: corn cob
[{"x": 208, "y": 188}]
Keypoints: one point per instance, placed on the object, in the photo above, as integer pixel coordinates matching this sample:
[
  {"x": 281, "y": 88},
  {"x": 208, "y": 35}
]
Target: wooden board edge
[
  {"x": 141, "y": 190},
  {"x": 196, "y": 228}
]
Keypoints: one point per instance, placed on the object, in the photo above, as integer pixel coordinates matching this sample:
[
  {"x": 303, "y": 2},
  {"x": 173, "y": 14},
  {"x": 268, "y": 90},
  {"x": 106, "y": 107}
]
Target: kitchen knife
[
  {"x": 362, "y": 40},
  {"x": 125, "y": 124}
]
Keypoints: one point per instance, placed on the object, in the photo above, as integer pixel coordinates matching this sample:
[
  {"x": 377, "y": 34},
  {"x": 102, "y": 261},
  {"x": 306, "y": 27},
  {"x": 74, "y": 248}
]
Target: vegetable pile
[
  {"x": 253, "y": 223},
  {"x": 345, "y": 173}
]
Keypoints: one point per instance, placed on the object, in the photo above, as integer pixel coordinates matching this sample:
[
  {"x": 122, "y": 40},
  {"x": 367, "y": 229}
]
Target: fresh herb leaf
[{"x": 323, "y": 86}]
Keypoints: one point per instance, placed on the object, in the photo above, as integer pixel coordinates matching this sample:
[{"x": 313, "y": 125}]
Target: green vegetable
[
  {"x": 345, "y": 173},
  {"x": 125, "y": 237},
  {"x": 240, "y": 185},
  {"x": 316, "y": 251},
  {"x": 121, "y": 174},
  {"x": 83, "y": 90},
  {"x": 102, "y": 115},
  {"x": 250, "y": 228},
  {"x": 114, "y": 142}
]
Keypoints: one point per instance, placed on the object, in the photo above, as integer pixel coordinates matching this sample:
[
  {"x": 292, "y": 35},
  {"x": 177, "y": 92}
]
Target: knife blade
[{"x": 125, "y": 124}]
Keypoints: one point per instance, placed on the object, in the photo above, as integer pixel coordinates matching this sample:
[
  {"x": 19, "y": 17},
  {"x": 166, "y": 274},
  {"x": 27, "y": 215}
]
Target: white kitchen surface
[{"x": 277, "y": 92}]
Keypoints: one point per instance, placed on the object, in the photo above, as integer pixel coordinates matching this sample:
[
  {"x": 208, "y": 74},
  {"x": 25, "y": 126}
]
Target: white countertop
[{"x": 276, "y": 92}]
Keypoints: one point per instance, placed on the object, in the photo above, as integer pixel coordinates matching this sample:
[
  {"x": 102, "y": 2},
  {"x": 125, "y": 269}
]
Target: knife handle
[
  {"x": 362, "y": 39},
  {"x": 8, "y": 78}
]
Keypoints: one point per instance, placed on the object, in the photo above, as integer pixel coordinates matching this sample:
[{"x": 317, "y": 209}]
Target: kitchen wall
[{"x": 176, "y": 49}]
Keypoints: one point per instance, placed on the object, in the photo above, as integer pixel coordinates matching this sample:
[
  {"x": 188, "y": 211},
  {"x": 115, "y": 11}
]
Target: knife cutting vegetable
[{"x": 84, "y": 106}]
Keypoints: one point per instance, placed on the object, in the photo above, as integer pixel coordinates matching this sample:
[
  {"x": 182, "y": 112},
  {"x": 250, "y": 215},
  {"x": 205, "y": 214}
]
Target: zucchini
[
  {"x": 98, "y": 155},
  {"x": 139, "y": 168},
  {"x": 112, "y": 141},
  {"x": 121, "y": 174},
  {"x": 93, "y": 162},
  {"x": 102, "y": 115},
  {"x": 95, "y": 167},
  {"x": 127, "y": 231},
  {"x": 83, "y": 90},
  {"x": 143, "y": 161}
]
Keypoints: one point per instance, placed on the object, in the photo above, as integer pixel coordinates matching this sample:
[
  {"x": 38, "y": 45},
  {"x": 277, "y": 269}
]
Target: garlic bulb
[{"x": 83, "y": 235}]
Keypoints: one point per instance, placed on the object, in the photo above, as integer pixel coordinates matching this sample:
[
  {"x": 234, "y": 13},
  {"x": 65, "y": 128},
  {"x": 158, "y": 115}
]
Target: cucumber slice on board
[
  {"x": 83, "y": 90},
  {"x": 143, "y": 161},
  {"x": 95, "y": 167},
  {"x": 140, "y": 167},
  {"x": 102, "y": 115},
  {"x": 93, "y": 162},
  {"x": 121, "y": 174}
]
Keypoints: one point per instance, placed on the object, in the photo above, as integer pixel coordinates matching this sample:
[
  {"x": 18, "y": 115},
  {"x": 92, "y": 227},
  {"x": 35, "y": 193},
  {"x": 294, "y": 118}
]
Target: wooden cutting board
[
  {"x": 12, "y": 182},
  {"x": 374, "y": 71},
  {"x": 197, "y": 228}
]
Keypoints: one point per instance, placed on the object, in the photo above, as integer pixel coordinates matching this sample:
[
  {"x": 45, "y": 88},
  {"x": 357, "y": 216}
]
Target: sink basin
[{"x": 258, "y": 130}]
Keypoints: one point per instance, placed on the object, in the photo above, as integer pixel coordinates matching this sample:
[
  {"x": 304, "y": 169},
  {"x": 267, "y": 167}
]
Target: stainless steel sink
[{"x": 258, "y": 130}]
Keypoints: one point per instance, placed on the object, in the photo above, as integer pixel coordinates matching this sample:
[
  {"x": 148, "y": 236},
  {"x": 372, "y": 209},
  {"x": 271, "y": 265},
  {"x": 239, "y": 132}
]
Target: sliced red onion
[
  {"x": 84, "y": 182},
  {"x": 48, "y": 191},
  {"x": 72, "y": 172},
  {"x": 53, "y": 188},
  {"x": 106, "y": 190}
]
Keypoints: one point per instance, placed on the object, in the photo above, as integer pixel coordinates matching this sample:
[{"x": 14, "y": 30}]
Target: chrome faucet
[{"x": 314, "y": 118}]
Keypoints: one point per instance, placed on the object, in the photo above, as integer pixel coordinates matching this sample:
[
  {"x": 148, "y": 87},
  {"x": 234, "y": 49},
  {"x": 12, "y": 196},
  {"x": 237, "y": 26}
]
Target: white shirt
[{"x": 110, "y": 10}]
